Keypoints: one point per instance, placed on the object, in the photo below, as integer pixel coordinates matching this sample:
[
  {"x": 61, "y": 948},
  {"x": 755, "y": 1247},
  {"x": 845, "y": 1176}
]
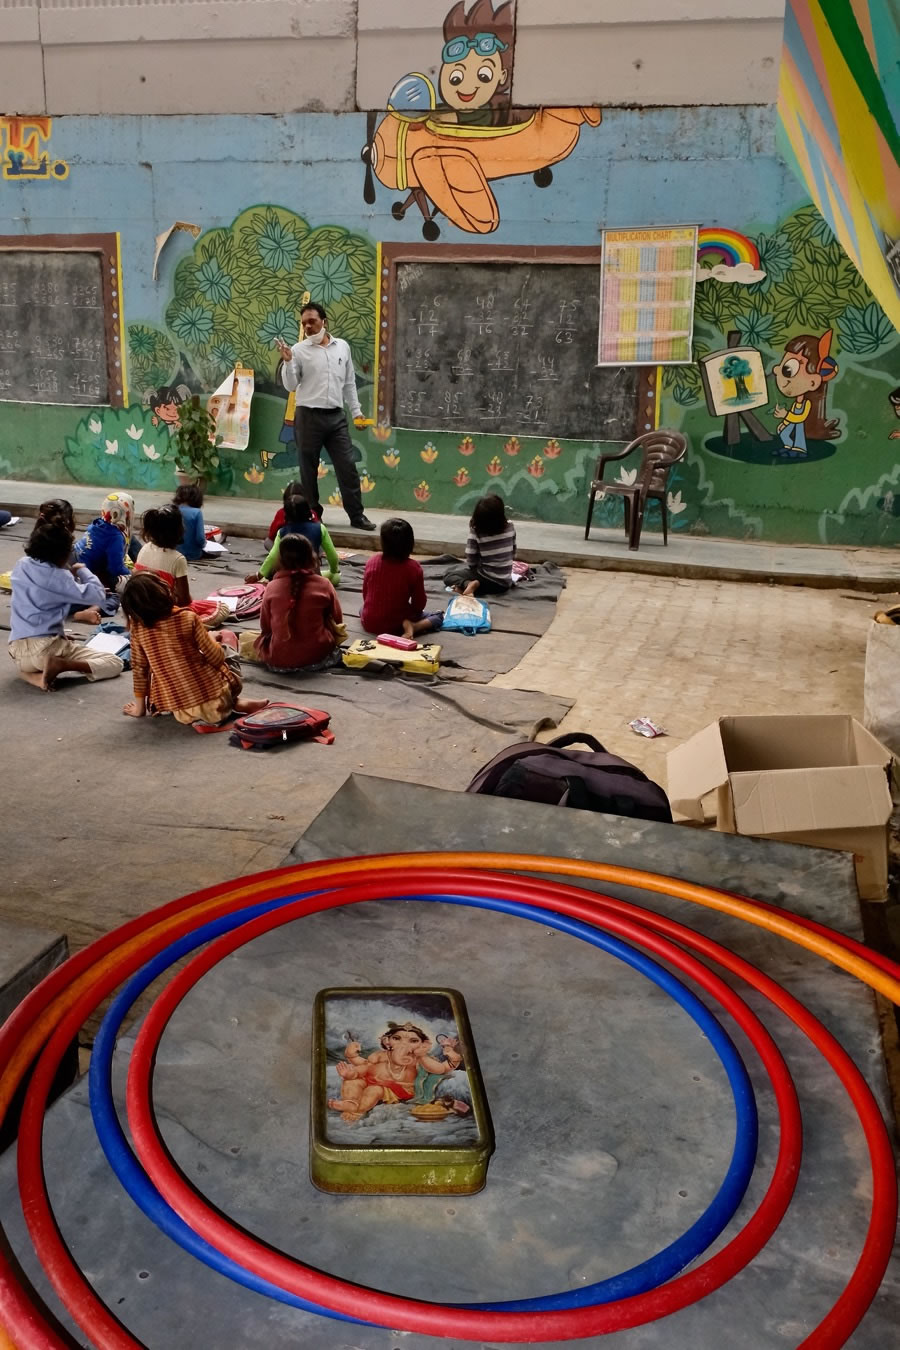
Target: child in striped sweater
[{"x": 490, "y": 551}]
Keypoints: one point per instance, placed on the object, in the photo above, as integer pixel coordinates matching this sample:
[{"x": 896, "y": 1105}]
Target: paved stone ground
[{"x": 685, "y": 652}]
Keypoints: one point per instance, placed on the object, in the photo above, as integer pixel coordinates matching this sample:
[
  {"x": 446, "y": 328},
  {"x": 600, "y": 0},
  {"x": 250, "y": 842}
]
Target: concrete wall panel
[
  {"x": 685, "y": 52},
  {"x": 230, "y": 55},
  {"x": 21, "y": 60},
  {"x": 646, "y": 64},
  {"x": 217, "y": 77}
]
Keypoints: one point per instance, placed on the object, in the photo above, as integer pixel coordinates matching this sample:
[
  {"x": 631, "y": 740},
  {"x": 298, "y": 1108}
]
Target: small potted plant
[{"x": 196, "y": 444}]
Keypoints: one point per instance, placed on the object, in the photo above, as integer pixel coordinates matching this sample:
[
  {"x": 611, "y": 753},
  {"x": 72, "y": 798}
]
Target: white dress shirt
[{"x": 325, "y": 371}]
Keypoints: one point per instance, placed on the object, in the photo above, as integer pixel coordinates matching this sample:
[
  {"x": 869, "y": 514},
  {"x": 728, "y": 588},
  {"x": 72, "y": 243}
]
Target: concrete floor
[
  {"x": 612, "y": 1117},
  {"x": 107, "y": 819},
  {"x": 622, "y": 646}
]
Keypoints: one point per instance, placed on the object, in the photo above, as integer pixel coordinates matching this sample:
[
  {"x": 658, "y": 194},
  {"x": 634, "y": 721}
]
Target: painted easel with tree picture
[{"x": 734, "y": 382}]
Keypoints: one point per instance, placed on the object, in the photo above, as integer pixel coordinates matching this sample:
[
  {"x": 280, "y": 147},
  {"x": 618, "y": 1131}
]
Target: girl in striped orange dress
[{"x": 176, "y": 665}]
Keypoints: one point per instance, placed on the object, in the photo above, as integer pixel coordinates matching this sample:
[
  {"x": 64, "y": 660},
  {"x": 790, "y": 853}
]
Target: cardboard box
[{"x": 822, "y": 781}]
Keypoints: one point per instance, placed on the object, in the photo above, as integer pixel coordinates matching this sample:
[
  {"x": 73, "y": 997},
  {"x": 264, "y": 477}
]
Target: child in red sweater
[
  {"x": 294, "y": 489},
  {"x": 393, "y": 587}
]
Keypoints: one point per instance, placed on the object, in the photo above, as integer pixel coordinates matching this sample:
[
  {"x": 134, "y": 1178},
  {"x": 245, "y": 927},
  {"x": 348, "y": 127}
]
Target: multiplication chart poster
[{"x": 647, "y": 296}]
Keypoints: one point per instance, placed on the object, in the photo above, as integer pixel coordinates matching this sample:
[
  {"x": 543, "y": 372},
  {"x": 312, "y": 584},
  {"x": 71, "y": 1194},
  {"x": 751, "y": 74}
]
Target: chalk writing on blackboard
[
  {"x": 58, "y": 338},
  {"x": 501, "y": 347}
]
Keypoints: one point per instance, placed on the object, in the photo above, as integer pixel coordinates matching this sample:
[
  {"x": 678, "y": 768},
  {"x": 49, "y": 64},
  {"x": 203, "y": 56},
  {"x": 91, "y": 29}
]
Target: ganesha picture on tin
[{"x": 396, "y": 1065}]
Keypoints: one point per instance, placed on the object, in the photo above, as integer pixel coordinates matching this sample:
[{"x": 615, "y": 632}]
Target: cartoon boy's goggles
[{"x": 485, "y": 44}]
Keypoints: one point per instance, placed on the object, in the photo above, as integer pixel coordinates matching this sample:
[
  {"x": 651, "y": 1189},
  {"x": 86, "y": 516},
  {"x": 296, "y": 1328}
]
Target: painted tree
[
  {"x": 737, "y": 369},
  {"x": 242, "y": 287}
]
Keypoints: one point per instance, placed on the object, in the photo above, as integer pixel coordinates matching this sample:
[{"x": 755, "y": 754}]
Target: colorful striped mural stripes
[{"x": 839, "y": 108}]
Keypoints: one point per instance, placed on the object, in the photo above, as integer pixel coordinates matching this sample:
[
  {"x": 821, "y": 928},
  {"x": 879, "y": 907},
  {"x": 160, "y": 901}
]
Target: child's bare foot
[
  {"x": 34, "y": 677},
  {"x": 408, "y": 629},
  {"x": 250, "y": 705},
  {"x": 53, "y": 668},
  {"x": 471, "y": 588},
  {"x": 337, "y": 1104},
  {"x": 89, "y": 615}
]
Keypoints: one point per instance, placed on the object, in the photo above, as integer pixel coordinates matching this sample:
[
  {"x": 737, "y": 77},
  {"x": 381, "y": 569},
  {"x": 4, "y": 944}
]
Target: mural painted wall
[
  {"x": 839, "y": 104},
  {"x": 787, "y": 335}
]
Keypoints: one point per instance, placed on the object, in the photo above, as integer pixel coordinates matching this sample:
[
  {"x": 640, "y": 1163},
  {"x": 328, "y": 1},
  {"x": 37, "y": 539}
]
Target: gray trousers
[{"x": 318, "y": 429}]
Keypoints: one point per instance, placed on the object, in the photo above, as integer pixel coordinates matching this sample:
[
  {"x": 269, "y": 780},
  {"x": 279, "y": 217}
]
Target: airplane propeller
[{"x": 366, "y": 156}]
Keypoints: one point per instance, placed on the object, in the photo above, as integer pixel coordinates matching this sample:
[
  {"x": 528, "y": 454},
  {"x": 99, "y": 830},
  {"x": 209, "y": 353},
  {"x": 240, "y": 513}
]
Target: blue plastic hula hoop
[{"x": 642, "y": 1278}]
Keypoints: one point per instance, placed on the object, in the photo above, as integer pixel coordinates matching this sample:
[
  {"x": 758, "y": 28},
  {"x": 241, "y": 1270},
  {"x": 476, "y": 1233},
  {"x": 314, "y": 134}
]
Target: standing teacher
[{"x": 320, "y": 369}]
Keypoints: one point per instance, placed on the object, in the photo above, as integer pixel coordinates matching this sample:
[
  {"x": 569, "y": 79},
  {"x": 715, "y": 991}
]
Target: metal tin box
[{"x": 397, "y": 1101}]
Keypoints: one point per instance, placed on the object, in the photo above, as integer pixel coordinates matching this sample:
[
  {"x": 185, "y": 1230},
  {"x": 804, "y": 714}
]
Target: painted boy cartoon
[
  {"x": 802, "y": 375},
  {"x": 443, "y": 146},
  {"x": 476, "y": 64},
  {"x": 389, "y": 1074},
  {"x": 475, "y": 79},
  {"x": 894, "y": 397},
  {"x": 165, "y": 402}
]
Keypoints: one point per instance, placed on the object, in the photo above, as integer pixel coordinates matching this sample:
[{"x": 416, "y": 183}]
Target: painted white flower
[
  {"x": 95, "y": 426},
  {"x": 150, "y": 451},
  {"x": 627, "y": 476},
  {"x": 112, "y": 447},
  {"x": 675, "y": 504},
  {"x": 135, "y": 432}
]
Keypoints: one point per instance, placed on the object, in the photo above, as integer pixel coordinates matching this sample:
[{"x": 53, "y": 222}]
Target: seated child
[
  {"x": 45, "y": 588},
  {"x": 299, "y": 519},
  {"x": 189, "y": 500},
  {"x": 102, "y": 547},
  {"x": 163, "y": 531},
  {"x": 393, "y": 587},
  {"x": 176, "y": 665},
  {"x": 57, "y": 511},
  {"x": 301, "y": 620},
  {"x": 490, "y": 551},
  {"x": 292, "y": 489}
]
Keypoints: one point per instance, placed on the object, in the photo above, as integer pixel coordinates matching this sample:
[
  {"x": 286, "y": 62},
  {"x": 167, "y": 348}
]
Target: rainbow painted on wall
[
  {"x": 837, "y": 103},
  {"x": 727, "y": 245}
]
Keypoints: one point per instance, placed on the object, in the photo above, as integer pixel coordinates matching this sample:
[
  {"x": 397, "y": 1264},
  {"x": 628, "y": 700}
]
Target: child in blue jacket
[
  {"x": 102, "y": 548},
  {"x": 189, "y": 500}
]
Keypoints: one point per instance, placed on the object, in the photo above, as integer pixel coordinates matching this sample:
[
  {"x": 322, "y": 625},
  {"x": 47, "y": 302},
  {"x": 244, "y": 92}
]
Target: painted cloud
[{"x": 742, "y": 274}]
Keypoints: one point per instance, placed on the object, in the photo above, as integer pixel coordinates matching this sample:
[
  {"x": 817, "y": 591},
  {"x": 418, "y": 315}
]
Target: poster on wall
[
  {"x": 647, "y": 296},
  {"x": 230, "y": 406},
  {"x": 734, "y": 380}
]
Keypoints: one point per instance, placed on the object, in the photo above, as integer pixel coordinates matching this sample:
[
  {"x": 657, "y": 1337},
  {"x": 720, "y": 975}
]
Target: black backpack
[{"x": 587, "y": 780}]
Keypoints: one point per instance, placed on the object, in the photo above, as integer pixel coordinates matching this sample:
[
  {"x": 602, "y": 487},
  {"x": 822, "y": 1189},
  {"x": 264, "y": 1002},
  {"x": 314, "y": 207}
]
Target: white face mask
[{"x": 316, "y": 339}]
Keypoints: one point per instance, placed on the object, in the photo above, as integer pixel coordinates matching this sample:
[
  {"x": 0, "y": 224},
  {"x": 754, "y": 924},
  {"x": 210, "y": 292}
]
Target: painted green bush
[
  {"x": 152, "y": 358},
  {"x": 810, "y": 286},
  {"x": 120, "y": 447},
  {"x": 242, "y": 287}
]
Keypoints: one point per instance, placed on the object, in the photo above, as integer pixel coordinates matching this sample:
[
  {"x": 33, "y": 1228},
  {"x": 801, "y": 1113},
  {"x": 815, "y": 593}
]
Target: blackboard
[
  {"x": 59, "y": 321},
  {"x": 503, "y": 345}
]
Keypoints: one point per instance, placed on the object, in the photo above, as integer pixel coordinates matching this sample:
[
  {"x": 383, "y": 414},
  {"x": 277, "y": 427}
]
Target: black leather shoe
[{"x": 364, "y": 523}]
